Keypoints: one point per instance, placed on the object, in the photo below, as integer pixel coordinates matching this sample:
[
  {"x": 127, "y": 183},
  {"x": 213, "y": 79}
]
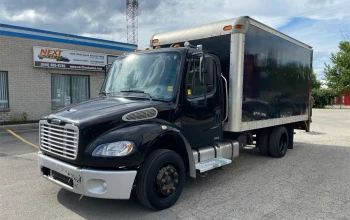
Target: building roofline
[
  {"x": 66, "y": 41},
  {"x": 64, "y": 35}
]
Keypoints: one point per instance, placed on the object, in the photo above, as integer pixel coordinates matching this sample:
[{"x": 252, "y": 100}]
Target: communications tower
[{"x": 131, "y": 20}]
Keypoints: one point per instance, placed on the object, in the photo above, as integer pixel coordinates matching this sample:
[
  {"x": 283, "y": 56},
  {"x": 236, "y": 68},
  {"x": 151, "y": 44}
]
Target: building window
[
  {"x": 69, "y": 89},
  {"x": 4, "y": 90}
]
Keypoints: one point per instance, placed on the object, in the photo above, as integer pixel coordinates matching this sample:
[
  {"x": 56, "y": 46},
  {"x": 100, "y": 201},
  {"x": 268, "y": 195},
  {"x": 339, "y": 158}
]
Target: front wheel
[{"x": 160, "y": 179}]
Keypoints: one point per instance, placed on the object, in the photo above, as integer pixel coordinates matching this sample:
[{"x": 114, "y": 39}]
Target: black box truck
[{"x": 183, "y": 107}]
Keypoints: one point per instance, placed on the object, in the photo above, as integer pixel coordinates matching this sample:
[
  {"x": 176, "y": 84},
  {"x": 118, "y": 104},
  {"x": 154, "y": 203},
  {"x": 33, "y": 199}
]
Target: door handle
[
  {"x": 198, "y": 104},
  {"x": 194, "y": 103}
]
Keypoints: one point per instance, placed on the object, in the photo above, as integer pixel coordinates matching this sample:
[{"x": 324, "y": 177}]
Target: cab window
[{"x": 194, "y": 89}]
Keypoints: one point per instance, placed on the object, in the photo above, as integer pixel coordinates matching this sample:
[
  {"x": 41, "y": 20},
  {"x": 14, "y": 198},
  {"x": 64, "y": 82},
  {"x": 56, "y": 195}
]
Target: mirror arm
[
  {"x": 201, "y": 70},
  {"x": 203, "y": 76}
]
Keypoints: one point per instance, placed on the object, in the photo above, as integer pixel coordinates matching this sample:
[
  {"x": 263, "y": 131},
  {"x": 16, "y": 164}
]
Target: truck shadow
[
  {"x": 92, "y": 208},
  {"x": 246, "y": 176}
]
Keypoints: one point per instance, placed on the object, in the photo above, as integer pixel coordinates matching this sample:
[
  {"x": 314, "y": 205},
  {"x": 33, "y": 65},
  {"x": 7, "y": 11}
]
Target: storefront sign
[{"x": 47, "y": 57}]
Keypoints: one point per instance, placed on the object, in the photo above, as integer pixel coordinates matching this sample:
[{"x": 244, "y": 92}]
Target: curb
[
  {"x": 20, "y": 126},
  {"x": 337, "y": 107}
]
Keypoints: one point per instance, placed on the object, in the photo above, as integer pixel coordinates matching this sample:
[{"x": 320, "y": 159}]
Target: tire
[
  {"x": 278, "y": 143},
  {"x": 262, "y": 142},
  {"x": 160, "y": 165}
]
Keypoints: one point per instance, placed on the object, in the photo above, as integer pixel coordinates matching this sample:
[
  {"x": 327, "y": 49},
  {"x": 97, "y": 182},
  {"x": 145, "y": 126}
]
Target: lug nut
[
  {"x": 168, "y": 191},
  {"x": 175, "y": 174},
  {"x": 176, "y": 181},
  {"x": 172, "y": 171},
  {"x": 164, "y": 188},
  {"x": 173, "y": 188},
  {"x": 163, "y": 180},
  {"x": 166, "y": 173}
]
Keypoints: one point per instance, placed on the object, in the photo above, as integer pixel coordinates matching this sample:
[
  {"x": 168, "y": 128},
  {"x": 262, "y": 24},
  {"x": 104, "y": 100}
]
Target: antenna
[
  {"x": 132, "y": 21},
  {"x": 184, "y": 33},
  {"x": 187, "y": 29}
]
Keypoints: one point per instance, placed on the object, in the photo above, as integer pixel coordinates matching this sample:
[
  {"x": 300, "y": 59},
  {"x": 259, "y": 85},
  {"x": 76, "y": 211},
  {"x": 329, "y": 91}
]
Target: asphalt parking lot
[{"x": 311, "y": 182}]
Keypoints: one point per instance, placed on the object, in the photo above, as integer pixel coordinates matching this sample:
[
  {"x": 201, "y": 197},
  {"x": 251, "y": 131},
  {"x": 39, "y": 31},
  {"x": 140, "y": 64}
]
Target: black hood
[{"x": 100, "y": 110}]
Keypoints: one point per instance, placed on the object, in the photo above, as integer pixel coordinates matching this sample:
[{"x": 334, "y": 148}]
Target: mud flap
[{"x": 290, "y": 129}]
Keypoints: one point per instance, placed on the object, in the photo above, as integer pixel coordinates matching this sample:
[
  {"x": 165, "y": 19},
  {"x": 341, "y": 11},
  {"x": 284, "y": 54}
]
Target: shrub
[
  {"x": 322, "y": 97},
  {"x": 19, "y": 117}
]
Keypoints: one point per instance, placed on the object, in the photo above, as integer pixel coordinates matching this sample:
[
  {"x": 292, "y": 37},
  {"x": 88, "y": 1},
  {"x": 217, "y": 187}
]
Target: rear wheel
[
  {"x": 278, "y": 143},
  {"x": 160, "y": 180}
]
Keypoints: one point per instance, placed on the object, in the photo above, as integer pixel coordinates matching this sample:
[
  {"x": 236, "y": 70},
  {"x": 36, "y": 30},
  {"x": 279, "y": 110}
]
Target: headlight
[{"x": 115, "y": 149}]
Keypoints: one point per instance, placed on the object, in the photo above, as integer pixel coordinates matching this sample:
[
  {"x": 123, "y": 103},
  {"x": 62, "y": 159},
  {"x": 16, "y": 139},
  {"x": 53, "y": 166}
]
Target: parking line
[{"x": 22, "y": 139}]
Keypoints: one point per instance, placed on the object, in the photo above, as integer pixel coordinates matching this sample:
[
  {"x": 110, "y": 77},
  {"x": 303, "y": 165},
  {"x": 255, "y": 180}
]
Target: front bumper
[{"x": 88, "y": 182}]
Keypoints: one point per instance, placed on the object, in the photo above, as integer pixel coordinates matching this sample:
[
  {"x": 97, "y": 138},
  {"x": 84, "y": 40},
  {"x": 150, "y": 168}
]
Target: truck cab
[{"x": 169, "y": 101}]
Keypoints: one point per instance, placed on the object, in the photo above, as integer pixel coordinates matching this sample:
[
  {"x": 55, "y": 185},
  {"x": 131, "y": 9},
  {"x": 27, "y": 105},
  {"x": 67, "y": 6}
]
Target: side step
[
  {"x": 210, "y": 157},
  {"x": 212, "y": 164}
]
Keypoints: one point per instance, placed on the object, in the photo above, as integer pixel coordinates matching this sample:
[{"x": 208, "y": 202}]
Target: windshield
[{"x": 144, "y": 75}]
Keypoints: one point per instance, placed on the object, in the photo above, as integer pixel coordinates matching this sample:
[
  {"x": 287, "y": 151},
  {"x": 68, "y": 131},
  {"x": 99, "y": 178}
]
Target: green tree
[
  {"x": 316, "y": 84},
  {"x": 338, "y": 74}
]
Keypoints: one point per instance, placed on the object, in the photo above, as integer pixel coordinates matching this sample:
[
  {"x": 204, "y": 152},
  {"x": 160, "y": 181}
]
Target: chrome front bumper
[{"x": 88, "y": 182}]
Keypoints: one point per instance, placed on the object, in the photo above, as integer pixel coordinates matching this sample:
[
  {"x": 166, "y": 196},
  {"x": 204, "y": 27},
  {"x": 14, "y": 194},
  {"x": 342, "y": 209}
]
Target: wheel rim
[
  {"x": 166, "y": 181},
  {"x": 283, "y": 143}
]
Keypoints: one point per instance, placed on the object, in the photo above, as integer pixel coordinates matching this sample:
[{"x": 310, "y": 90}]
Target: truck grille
[{"x": 59, "y": 140}]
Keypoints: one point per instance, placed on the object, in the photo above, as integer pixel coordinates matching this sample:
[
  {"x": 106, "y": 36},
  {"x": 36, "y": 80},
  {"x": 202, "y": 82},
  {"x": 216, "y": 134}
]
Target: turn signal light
[
  {"x": 227, "y": 28},
  {"x": 125, "y": 53},
  {"x": 137, "y": 50},
  {"x": 239, "y": 26},
  {"x": 147, "y": 48},
  {"x": 155, "y": 41},
  {"x": 157, "y": 47},
  {"x": 177, "y": 45}
]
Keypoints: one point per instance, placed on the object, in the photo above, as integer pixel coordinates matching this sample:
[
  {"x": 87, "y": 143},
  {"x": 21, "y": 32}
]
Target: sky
[{"x": 318, "y": 23}]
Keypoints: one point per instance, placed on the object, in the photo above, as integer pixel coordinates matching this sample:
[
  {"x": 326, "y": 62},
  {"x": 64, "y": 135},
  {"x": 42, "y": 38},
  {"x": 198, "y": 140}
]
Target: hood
[{"x": 100, "y": 110}]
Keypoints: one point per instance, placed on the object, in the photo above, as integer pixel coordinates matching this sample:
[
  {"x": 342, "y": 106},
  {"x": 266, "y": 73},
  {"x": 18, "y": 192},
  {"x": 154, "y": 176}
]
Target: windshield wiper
[
  {"x": 105, "y": 93},
  {"x": 138, "y": 91}
]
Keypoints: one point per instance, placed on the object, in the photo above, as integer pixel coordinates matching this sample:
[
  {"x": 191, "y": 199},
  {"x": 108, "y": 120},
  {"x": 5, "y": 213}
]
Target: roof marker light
[
  {"x": 239, "y": 26},
  {"x": 227, "y": 28}
]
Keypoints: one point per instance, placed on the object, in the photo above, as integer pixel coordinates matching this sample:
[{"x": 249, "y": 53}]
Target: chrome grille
[{"x": 59, "y": 140}]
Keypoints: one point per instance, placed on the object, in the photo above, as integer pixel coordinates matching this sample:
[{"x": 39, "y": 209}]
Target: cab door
[{"x": 202, "y": 105}]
